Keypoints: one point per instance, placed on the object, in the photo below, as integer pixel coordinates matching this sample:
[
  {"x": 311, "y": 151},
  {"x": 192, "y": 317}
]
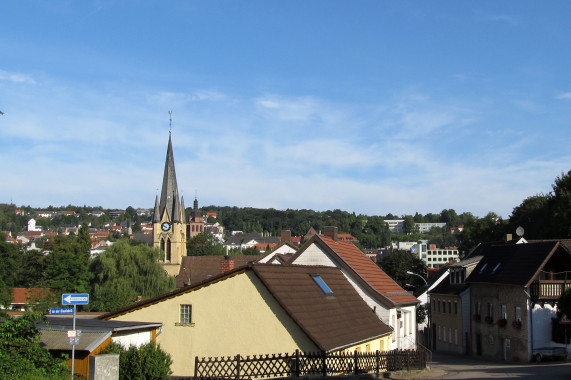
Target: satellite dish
[{"x": 519, "y": 231}]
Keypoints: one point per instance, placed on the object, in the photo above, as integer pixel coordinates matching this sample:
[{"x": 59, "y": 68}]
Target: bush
[
  {"x": 21, "y": 356},
  {"x": 145, "y": 362}
]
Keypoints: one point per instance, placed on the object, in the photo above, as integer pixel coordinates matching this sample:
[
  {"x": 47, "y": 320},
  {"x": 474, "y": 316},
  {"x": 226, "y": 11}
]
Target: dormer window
[{"x": 321, "y": 283}]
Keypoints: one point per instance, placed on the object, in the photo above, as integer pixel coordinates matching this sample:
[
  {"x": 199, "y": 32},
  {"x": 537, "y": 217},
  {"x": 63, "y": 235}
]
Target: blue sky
[{"x": 366, "y": 106}]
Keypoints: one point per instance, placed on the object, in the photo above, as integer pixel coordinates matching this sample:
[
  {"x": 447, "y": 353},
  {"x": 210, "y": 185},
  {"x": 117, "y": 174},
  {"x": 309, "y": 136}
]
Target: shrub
[{"x": 147, "y": 362}]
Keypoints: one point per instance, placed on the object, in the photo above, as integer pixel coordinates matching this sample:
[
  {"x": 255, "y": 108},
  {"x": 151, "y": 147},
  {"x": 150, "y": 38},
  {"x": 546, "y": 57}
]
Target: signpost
[{"x": 73, "y": 335}]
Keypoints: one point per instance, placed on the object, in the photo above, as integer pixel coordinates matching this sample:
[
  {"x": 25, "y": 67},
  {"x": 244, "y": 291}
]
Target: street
[{"x": 461, "y": 367}]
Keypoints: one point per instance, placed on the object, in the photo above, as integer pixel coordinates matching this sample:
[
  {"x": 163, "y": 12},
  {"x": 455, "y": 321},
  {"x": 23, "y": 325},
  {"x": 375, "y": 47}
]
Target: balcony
[{"x": 548, "y": 289}]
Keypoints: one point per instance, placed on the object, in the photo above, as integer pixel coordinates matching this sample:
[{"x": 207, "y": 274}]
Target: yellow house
[{"x": 261, "y": 309}]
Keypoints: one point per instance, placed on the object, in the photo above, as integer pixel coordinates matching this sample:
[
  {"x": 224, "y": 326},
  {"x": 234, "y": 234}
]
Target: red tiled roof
[
  {"x": 21, "y": 295},
  {"x": 363, "y": 267}
]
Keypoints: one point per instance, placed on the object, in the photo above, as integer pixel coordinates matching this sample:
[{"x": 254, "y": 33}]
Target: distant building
[
  {"x": 395, "y": 225},
  {"x": 426, "y": 227}
]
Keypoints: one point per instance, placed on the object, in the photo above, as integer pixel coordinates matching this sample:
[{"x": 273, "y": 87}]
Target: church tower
[{"x": 169, "y": 227}]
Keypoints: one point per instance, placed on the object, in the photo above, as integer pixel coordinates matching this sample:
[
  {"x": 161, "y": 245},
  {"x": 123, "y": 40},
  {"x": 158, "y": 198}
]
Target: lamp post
[{"x": 427, "y": 314}]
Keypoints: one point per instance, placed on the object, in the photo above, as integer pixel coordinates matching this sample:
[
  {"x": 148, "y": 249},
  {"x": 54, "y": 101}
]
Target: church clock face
[{"x": 165, "y": 226}]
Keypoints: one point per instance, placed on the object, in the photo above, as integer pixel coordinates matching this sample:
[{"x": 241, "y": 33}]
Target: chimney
[
  {"x": 226, "y": 264},
  {"x": 508, "y": 237},
  {"x": 285, "y": 236},
  {"x": 330, "y": 231}
]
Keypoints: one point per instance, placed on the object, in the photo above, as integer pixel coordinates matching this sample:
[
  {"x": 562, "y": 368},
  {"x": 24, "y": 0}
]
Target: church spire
[{"x": 169, "y": 201}]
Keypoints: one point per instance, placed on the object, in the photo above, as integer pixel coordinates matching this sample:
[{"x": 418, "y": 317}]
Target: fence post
[
  {"x": 297, "y": 364},
  {"x": 238, "y": 367},
  {"x": 323, "y": 363},
  {"x": 408, "y": 360},
  {"x": 377, "y": 362},
  {"x": 355, "y": 362},
  {"x": 195, "y": 367}
]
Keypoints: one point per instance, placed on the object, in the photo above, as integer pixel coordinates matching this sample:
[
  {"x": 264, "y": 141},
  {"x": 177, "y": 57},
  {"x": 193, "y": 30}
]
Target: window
[
  {"x": 450, "y": 307},
  {"x": 449, "y": 335},
  {"x": 319, "y": 281},
  {"x": 518, "y": 314},
  {"x": 456, "y": 336},
  {"x": 490, "y": 310},
  {"x": 185, "y": 314},
  {"x": 439, "y": 306},
  {"x": 496, "y": 268},
  {"x": 504, "y": 312},
  {"x": 444, "y": 306},
  {"x": 483, "y": 267},
  {"x": 456, "y": 307}
]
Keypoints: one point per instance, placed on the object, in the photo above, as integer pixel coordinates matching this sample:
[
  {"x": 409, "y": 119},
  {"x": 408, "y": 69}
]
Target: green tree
[
  {"x": 21, "y": 355},
  {"x": 67, "y": 265},
  {"x": 481, "y": 230},
  {"x": 396, "y": 265},
  {"x": 408, "y": 225},
  {"x": 204, "y": 244},
  {"x": 84, "y": 240},
  {"x": 10, "y": 259},
  {"x": 125, "y": 271},
  {"x": 533, "y": 215},
  {"x": 559, "y": 202}
]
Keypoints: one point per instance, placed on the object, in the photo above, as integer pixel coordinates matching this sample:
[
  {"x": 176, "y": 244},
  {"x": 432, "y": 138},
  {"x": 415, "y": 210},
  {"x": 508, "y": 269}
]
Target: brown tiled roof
[
  {"x": 194, "y": 269},
  {"x": 333, "y": 321},
  {"x": 352, "y": 259}
]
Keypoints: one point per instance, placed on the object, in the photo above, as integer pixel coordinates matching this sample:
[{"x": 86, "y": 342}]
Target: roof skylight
[
  {"x": 496, "y": 268},
  {"x": 319, "y": 281},
  {"x": 483, "y": 267}
]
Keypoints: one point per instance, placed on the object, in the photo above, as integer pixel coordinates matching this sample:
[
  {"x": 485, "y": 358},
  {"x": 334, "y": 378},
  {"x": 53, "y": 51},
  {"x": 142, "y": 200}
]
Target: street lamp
[
  {"x": 414, "y": 274},
  {"x": 428, "y": 340}
]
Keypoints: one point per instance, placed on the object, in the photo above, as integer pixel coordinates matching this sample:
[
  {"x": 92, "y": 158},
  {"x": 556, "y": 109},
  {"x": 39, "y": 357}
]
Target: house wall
[
  {"x": 380, "y": 344},
  {"x": 401, "y": 320},
  {"x": 447, "y": 323},
  {"x": 221, "y": 325},
  {"x": 128, "y": 339},
  {"x": 542, "y": 324},
  {"x": 491, "y": 340}
]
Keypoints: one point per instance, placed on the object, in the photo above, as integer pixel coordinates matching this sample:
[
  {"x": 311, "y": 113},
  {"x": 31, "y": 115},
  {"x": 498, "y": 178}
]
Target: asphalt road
[{"x": 461, "y": 367}]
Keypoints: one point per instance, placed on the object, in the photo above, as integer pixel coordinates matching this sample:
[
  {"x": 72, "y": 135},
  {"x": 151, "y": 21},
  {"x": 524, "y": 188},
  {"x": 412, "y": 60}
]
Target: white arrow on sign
[{"x": 77, "y": 299}]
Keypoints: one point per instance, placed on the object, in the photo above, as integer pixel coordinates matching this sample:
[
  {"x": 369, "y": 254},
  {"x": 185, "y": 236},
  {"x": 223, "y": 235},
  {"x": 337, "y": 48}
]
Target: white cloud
[
  {"x": 565, "y": 96},
  {"x": 19, "y": 78}
]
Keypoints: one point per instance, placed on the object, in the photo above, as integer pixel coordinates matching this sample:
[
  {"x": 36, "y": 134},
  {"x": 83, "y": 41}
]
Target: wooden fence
[{"x": 304, "y": 364}]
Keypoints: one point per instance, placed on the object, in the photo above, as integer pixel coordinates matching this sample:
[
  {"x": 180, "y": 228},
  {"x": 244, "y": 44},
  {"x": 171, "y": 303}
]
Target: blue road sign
[
  {"x": 61, "y": 311},
  {"x": 75, "y": 299}
]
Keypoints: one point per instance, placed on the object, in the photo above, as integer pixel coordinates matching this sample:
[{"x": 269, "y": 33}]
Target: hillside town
[{"x": 318, "y": 292}]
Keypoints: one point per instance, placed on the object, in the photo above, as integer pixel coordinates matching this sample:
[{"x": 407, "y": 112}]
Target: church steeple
[
  {"x": 170, "y": 202},
  {"x": 169, "y": 225}
]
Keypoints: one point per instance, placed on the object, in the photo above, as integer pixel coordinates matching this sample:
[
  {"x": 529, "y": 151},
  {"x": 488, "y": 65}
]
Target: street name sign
[
  {"x": 75, "y": 299},
  {"x": 68, "y": 310}
]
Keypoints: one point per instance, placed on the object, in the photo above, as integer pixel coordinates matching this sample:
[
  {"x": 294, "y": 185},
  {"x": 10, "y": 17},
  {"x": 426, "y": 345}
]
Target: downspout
[{"x": 530, "y": 329}]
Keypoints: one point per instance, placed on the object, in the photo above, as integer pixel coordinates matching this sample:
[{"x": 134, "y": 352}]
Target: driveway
[{"x": 462, "y": 367}]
